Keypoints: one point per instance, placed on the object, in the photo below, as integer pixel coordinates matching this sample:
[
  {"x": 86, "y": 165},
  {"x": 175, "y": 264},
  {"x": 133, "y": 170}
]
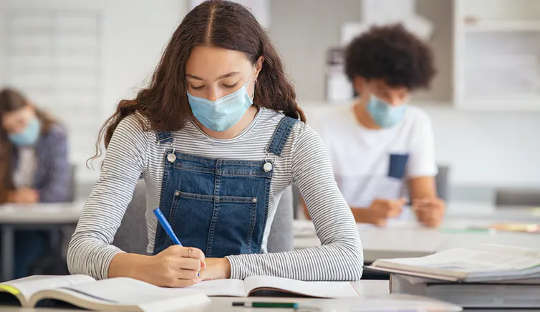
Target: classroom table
[
  {"x": 50, "y": 216},
  {"x": 373, "y": 296},
  {"x": 462, "y": 227}
]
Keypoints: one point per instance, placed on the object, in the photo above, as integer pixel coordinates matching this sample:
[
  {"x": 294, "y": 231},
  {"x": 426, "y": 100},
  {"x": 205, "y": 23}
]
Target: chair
[
  {"x": 73, "y": 184},
  {"x": 517, "y": 197},
  {"x": 281, "y": 232},
  {"x": 131, "y": 236},
  {"x": 441, "y": 182}
]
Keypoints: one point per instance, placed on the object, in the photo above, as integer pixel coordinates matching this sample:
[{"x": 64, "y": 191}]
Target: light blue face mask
[
  {"x": 29, "y": 135},
  {"x": 223, "y": 113},
  {"x": 384, "y": 114}
]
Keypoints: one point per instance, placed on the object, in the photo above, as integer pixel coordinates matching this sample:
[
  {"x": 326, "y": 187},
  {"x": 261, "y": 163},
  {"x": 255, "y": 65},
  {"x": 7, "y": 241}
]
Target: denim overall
[{"x": 217, "y": 205}]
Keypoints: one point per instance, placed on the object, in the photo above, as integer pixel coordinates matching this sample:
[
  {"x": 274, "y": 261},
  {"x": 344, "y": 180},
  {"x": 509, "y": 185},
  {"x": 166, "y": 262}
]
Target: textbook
[
  {"x": 114, "y": 294},
  {"x": 487, "y": 263},
  {"x": 253, "y": 284}
]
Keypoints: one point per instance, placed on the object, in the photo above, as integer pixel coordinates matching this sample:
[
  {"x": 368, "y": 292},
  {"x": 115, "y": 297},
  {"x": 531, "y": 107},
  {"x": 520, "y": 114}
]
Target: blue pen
[
  {"x": 166, "y": 226},
  {"x": 168, "y": 229}
]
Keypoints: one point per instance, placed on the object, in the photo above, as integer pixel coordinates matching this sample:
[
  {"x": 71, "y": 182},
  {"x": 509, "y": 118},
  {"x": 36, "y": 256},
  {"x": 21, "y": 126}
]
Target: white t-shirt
[
  {"x": 370, "y": 164},
  {"x": 24, "y": 173}
]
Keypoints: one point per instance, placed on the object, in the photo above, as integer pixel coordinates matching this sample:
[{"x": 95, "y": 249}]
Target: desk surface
[
  {"x": 41, "y": 213},
  {"x": 373, "y": 296},
  {"x": 407, "y": 238}
]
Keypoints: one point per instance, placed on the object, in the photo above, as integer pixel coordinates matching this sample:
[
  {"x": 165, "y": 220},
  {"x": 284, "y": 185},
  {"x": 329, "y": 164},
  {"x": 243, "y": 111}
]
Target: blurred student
[
  {"x": 380, "y": 145},
  {"x": 34, "y": 167}
]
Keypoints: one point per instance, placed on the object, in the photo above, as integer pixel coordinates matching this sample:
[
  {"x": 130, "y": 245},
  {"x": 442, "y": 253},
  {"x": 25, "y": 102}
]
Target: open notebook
[
  {"x": 114, "y": 294},
  {"x": 486, "y": 263},
  {"x": 252, "y": 284}
]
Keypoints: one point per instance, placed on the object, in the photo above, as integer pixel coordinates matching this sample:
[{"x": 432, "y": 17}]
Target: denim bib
[{"x": 217, "y": 205}]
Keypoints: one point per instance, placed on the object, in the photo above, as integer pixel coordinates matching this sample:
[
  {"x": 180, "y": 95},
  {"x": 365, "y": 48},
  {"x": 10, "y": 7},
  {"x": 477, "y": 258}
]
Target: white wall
[
  {"x": 488, "y": 148},
  {"x": 133, "y": 36},
  {"x": 135, "y": 33}
]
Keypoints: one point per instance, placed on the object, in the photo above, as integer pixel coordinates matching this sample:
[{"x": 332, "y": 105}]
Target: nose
[
  {"x": 214, "y": 94},
  {"x": 396, "y": 100}
]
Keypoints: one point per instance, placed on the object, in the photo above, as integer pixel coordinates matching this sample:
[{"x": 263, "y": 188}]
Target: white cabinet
[{"x": 497, "y": 54}]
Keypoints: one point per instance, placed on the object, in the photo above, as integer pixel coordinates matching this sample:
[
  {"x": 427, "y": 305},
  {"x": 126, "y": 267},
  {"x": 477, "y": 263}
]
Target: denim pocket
[
  {"x": 235, "y": 223},
  {"x": 398, "y": 163}
]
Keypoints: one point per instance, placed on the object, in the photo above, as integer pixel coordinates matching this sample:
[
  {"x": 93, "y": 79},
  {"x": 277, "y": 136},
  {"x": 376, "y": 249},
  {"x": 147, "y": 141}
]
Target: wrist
[
  {"x": 226, "y": 268},
  {"x": 216, "y": 268},
  {"x": 129, "y": 265}
]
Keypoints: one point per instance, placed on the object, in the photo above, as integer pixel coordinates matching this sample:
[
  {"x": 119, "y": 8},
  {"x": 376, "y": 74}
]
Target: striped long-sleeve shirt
[{"x": 304, "y": 161}]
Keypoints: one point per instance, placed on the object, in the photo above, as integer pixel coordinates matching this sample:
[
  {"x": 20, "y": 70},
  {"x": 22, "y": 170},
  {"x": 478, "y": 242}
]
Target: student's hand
[
  {"x": 216, "y": 268},
  {"x": 24, "y": 196},
  {"x": 175, "y": 266},
  {"x": 429, "y": 211},
  {"x": 379, "y": 211}
]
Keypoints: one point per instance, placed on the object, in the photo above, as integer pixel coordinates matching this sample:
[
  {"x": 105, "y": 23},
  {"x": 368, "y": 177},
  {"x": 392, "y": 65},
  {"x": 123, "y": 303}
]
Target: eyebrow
[{"x": 220, "y": 77}]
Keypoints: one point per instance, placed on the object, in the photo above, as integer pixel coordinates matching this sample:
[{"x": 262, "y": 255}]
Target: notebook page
[
  {"x": 321, "y": 289},
  {"x": 487, "y": 259},
  {"x": 127, "y": 291},
  {"x": 222, "y": 287},
  {"x": 31, "y": 284}
]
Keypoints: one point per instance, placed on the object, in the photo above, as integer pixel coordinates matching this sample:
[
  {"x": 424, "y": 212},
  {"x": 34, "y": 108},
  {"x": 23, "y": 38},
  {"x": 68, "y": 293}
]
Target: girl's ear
[{"x": 258, "y": 66}]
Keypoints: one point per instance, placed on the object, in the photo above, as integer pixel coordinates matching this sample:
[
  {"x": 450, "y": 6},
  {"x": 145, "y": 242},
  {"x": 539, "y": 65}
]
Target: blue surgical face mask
[
  {"x": 384, "y": 114},
  {"x": 29, "y": 135},
  {"x": 223, "y": 113}
]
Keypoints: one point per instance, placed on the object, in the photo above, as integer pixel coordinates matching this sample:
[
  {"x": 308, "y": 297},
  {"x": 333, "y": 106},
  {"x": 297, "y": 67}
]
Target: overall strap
[
  {"x": 163, "y": 137},
  {"x": 281, "y": 134}
]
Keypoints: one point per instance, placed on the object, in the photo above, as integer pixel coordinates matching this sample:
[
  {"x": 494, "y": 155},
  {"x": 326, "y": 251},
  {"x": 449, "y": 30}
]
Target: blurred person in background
[
  {"x": 34, "y": 167},
  {"x": 380, "y": 145}
]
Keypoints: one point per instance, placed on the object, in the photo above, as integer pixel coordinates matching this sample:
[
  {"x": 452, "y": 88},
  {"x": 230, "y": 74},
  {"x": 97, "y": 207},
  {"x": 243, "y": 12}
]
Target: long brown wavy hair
[
  {"x": 221, "y": 24},
  {"x": 12, "y": 100}
]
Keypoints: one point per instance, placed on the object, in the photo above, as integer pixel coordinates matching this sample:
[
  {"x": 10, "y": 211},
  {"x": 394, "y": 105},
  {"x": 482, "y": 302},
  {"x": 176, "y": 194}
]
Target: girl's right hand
[{"x": 175, "y": 266}]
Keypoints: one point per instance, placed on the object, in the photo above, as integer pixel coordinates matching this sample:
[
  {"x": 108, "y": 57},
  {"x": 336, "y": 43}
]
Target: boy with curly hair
[{"x": 381, "y": 147}]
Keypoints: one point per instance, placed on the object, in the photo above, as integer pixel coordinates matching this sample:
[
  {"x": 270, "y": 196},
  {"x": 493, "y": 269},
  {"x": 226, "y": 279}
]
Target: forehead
[
  {"x": 209, "y": 62},
  {"x": 15, "y": 116},
  {"x": 382, "y": 85}
]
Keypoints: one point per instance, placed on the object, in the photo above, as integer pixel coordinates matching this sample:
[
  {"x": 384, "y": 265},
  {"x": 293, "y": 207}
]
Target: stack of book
[{"x": 483, "y": 277}]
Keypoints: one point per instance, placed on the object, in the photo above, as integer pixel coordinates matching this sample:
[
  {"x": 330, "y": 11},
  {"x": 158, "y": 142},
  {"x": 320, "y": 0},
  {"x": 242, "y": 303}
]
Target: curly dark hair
[{"x": 390, "y": 53}]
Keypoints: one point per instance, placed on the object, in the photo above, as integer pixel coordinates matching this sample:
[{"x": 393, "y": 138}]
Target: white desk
[
  {"x": 373, "y": 296},
  {"x": 407, "y": 238},
  {"x": 35, "y": 217}
]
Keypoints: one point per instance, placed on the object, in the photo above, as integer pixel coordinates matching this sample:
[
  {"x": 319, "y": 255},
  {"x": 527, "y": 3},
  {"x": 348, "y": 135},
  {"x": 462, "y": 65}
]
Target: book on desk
[
  {"x": 484, "y": 277},
  {"x": 122, "y": 294}
]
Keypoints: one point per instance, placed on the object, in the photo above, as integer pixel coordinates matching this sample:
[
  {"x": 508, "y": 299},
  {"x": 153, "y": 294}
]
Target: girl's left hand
[{"x": 216, "y": 268}]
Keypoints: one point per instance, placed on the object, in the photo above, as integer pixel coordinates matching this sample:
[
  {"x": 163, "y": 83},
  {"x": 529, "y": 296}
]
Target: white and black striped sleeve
[
  {"x": 90, "y": 251},
  {"x": 340, "y": 257}
]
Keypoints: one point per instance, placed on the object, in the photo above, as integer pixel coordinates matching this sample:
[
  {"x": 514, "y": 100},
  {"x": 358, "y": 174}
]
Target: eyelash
[{"x": 225, "y": 85}]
